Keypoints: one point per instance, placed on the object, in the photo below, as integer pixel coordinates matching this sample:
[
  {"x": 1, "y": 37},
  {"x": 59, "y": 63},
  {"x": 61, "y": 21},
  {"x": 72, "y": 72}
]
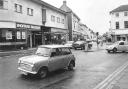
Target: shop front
[
  {"x": 54, "y": 35},
  {"x": 19, "y": 37}
]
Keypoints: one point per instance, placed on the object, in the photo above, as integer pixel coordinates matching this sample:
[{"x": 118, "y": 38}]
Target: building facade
[
  {"x": 73, "y": 22},
  {"x": 28, "y": 23},
  {"x": 119, "y": 23}
]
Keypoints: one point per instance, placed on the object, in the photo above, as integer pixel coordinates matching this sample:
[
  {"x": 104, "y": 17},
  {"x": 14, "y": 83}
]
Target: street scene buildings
[
  {"x": 46, "y": 47},
  {"x": 29, "y": 23},
  {"x": 119, "y": 23}
]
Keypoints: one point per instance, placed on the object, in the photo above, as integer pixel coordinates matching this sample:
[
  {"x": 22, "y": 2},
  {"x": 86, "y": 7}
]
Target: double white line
[{"x": 111, "y": 77}]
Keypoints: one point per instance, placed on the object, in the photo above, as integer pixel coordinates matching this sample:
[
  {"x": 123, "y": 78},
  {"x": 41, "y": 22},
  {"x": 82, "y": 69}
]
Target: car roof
[{"x": 54, "y": 46}]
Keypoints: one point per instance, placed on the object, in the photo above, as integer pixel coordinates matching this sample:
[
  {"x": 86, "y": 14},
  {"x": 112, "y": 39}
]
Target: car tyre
[
  {"x": 114, "y": 50},
  {"x": 43, "y": 73},
  {"x": 108, "y": 51},
  {"x": 71, "y": 65}
]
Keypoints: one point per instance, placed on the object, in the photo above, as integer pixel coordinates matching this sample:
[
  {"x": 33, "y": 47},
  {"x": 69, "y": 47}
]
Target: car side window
[
  {"x": 56, "y": 52},
  {"x": 66, "y": 51},
  {"x": 121, "y": 43}
]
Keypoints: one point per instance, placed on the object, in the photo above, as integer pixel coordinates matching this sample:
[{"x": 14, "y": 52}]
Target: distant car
[
  {"x": 79, "y": 44},
  {"x": 69, "y": 44},
  {"x": 118, "y": 46},
  {"x": 47, "y": 58}
]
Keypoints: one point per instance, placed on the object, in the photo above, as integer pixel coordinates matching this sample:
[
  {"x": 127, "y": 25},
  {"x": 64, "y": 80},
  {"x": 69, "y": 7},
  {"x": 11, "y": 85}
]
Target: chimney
[{"x": 64, "y": 2}]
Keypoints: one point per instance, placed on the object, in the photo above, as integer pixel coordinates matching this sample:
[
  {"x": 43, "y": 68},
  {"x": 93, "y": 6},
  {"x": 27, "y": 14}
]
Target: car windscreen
[{"x": 43, "y": 51}]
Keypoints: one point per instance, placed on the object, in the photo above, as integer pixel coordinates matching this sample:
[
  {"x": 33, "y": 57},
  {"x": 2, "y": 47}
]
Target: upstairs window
[
  {"x": 52, "y": 18},
  {"x": 125, "y": 24},
  {"x": 1, "y": 3},
  {"x": 117, "y": 14},
  {"x": 117, "y": 25},
  {"x": 30, "y": 11},
  {"x": 18, "y": 8},
  {"x": 62, "y": 21},
  {"x": 125, "y": 13},
  {"x": 58, "y": 20}
]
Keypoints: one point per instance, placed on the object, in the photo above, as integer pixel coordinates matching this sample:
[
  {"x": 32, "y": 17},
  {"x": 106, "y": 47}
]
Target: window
[
  {"x": 117, "y": 14},
  {"x": 18, "y": 8},
  {"x": 125, "y": 13},
  {"x": 30, "y": 11},
  {"x": 62, "y": 21},
  {"x": 66, "y": 51},
  {"x": 117, "y": 25},
  {"x": 125, "y": 24},
  {"x": 58, "y": 20},
  {"x": 1, "y": 3},
  {"x": 52, "y": 18}
]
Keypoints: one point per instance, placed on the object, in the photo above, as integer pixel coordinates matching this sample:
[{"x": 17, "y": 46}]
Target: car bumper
[{"x": 25, "y": 72}]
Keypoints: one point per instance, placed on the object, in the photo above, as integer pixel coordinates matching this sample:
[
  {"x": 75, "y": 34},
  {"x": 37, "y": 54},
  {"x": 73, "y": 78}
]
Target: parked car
[
  {"x": 47, "y": 58},
  {"x": 118, "y": 46},
  {"x": 69, "y": 44},
  {"x": 79, "y": 44}
]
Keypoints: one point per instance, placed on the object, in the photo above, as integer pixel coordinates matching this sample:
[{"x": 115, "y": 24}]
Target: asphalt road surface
[{"x": 91, "y": 69}]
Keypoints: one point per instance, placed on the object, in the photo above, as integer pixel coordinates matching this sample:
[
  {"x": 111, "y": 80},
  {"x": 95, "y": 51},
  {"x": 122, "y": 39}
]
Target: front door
[{"x": 56, "y": 60}]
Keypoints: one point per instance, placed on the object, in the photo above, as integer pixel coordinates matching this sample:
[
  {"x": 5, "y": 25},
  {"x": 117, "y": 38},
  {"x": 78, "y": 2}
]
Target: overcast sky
[{"x": 93, "y": 13}]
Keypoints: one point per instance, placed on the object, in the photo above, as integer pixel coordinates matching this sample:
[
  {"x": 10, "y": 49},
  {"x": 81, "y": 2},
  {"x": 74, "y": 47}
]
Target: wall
[
  {"x": 120, "y": 19},
  {"x": 49, "y": 23},
  {"x": 9, "y": 14}
]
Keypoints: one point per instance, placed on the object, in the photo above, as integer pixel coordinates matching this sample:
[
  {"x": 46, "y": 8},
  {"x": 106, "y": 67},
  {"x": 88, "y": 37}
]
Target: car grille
[{"x": 25, "y": 66}]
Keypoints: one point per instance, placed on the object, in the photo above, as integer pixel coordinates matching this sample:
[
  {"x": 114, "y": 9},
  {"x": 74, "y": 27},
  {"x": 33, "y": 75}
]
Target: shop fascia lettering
[{"x": 27, "y": 26}]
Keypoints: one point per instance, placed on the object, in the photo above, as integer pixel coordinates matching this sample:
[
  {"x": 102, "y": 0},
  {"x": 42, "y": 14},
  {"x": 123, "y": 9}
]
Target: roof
[
  {"x": 120, "y": 9},
  {"x": 49, "y": 6},
  {"x": 54, "y": 46},
  {"x": 65, "y": 8}
]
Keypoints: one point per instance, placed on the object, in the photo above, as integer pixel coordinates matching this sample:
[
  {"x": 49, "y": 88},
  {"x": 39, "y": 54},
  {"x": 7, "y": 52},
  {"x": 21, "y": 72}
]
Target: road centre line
[{"x": 112, "y": 76}]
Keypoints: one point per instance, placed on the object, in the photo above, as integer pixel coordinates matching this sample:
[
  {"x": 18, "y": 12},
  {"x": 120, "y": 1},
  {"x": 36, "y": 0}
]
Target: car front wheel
[
  {"x": 108, "y": 51},
  {"x": 71, "y": 65},
  {"x": 43, "y": 73},
  {"x": 114, "y": 50}
]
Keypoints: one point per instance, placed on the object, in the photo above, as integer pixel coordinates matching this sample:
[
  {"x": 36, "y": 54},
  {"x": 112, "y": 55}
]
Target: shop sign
[
  {"x": 27, "y": 26},
  {"x": 8, "y": 35},
  {"x": 21, "y": 25},
  {"x": 23, "y": 35},
  {"x": 18, "y": 35}
]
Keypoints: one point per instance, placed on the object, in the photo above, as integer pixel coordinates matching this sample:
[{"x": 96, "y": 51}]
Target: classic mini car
[
  {"x": 118, "y": 46},
  {"x": 69, "y": 44},
  {"x": 47, "y": 58},
  {"x": 79, "y": 44}
]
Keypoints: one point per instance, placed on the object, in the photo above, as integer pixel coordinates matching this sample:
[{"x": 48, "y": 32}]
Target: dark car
[
  {"x": 79, "y": 44},
  {"x": 69, "y": 44}
]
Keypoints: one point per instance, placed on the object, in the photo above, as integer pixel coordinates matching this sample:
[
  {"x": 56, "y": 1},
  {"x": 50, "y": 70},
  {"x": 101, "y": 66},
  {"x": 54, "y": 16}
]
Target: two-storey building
[
  {"x": 119, "y": 23},
  {"x": 28, "y": 23}
]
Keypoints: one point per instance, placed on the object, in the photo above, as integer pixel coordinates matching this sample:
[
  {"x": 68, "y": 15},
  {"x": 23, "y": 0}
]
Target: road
[{"x": 91, "y": 69}]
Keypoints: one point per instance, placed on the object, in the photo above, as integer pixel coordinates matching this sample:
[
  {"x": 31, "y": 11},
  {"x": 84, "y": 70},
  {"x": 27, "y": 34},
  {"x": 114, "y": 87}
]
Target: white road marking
[{"x": 109, "y": 79}]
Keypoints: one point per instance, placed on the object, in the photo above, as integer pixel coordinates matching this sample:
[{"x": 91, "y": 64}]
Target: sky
[{"x": 93, "y": 13}]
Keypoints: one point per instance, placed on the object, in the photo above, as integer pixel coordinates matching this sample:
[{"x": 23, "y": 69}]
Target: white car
[{"x": 118, "y": 46}]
